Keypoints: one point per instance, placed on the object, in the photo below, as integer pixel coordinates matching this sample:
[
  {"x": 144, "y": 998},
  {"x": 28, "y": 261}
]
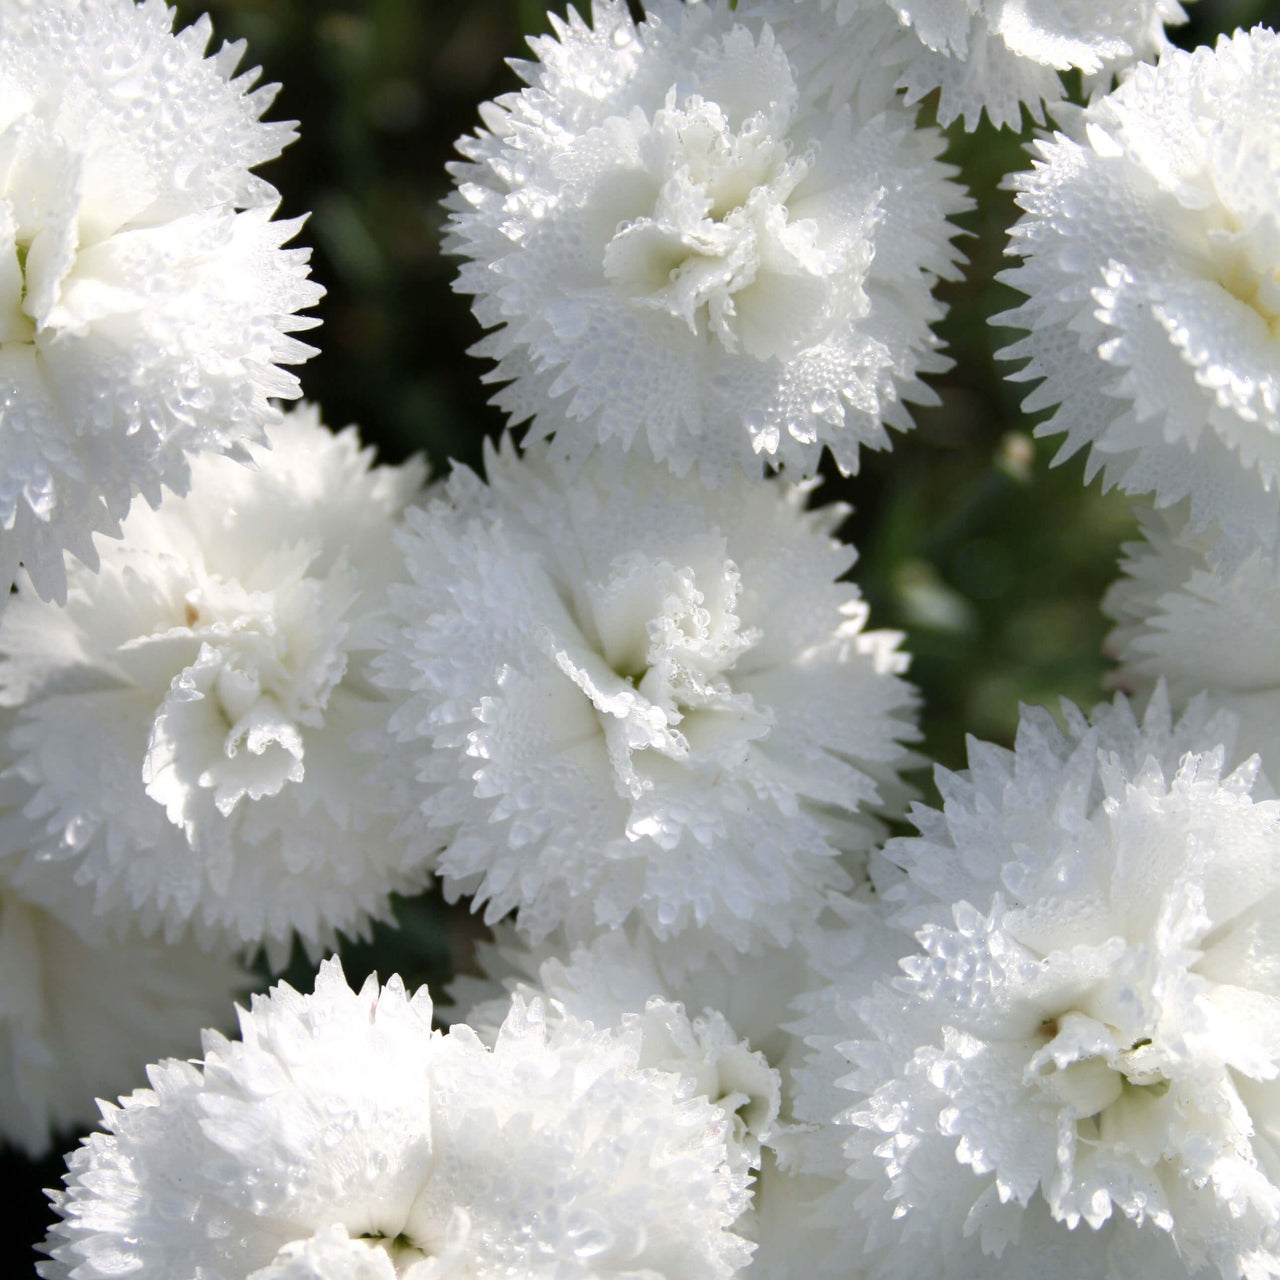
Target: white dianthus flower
[
  {"x": 342, "y": 1137},
  {"x": 1151, "y": 245},
  {"x": 183, "y": 727},
  {"x": 672, "y": 238},
  {"x": 80, "y": 1014},
  {"x": 626, "y": 694},
  {"x": 145, "y": 300},
  {"x": 1200, "y": 626},
  {"x": 992, "y": 55},
  {"x": 617, "y": 981},
  {"x": 1079, "y": 1068},
  {"x": 728, "y": 1027}
]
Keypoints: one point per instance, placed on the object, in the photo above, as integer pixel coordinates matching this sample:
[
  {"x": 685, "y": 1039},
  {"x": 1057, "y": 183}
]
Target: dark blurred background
[{"x": 990, "y": 560}]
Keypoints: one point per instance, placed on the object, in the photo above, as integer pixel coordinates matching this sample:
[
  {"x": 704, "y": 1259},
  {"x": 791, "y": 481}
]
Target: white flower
[
  {"x": 145, "y": 300},
  {"x": 1151, "y": 241},
  {"x": 618, "y": 981},
  {"x": 850, "y": 1210},
  {"x": 1089, "y": 1032},
  {"x": 81, "y": 1014},
  {"x": 1200, "y": 626},
  {"x": 626, "y": 694},
  {"x": 992, "y": 55},
  {"x": 727, "y": 1027},
  {"x": 669, "y": 237},
  {"x": 184, "y": 726},
  {"x": 342, "y": 1137}
]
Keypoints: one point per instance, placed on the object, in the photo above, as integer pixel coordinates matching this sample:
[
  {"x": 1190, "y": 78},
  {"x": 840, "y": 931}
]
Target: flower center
[
  {"x": 663, "y": 639},
  {"x": 716, "y": 250},
  {"x": 1255, "y": 284},
  {"x": 16, "y": 326},
  {"x": 672, "y": 633},
  {"x": 400, "y": 1249},
  {"x": 1242, "y": 231},
  {"x": 1079, "y": 1066},
  {"x": 232, "y": 721},
  {"x": 243, "y": 671}
]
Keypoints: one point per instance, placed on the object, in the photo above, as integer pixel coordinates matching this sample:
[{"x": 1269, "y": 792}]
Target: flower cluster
[
  {"x": 619, "y": 693},
  {"x": 1056, "y": 1043}
]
